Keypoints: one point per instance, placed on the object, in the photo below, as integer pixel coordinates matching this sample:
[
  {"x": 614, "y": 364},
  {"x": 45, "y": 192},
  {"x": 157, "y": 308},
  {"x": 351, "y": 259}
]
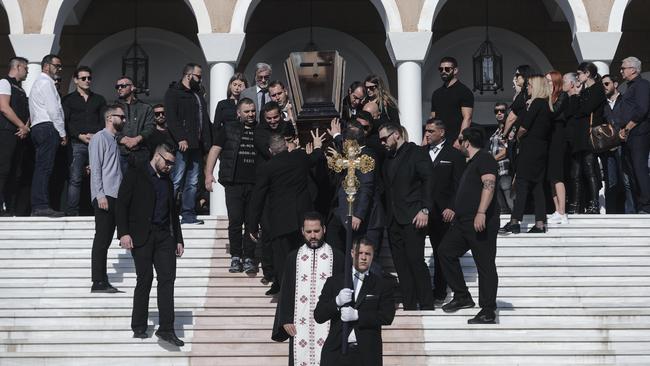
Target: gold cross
[{"x": 351, "y": 160}]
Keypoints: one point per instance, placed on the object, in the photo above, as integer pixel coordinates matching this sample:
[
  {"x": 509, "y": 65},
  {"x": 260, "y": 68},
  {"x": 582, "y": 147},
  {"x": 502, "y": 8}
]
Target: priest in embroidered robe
[{"x": 306, "y": 270}]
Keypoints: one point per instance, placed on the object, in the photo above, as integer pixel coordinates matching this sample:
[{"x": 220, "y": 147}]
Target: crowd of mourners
[{"x": 561, "y": 139}]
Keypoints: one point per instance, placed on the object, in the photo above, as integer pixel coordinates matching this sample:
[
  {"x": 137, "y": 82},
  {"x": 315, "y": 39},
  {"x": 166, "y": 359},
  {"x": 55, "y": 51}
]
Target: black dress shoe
[
  {"x": 485, "y": 316},
  {"x": 537, "y": 230},
  {"x": 103, "y": 288},
  {"x": 458, "y": 303},
  {"x": 142, "y": 334},
  {"x": 48, "y": 212},
  {"x": 428, "y": 307},
  {"x": 275, "y": 288},
  {"x": 170, "y": 337},
  {"x": 510, "y": 228}
]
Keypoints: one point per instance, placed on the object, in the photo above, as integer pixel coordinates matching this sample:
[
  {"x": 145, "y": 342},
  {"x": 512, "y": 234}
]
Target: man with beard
[
  {"x": 407, "y": 175},
  {"x": 305, "y": 273},
  {"x": 259, "y": 93},
  {"x": 234, "y": 145},
  {"x": 354, "y": 101},
  {"x": 188, "y": 121},
  {"x": 271, "y": 122},
  {"x": 161, "y": 134},
  {"x": 474, "y": 228},
  {"x": 138, "y": 126},
  {"x": 105, "y": 179},
  {"x": 148, "y": 226},
  {"x": 453, "y": 102}
]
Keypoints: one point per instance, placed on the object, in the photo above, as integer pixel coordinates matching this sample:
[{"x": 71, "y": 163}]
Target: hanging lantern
[
  {"x": 135, "y": 64},
  {"x": 488, "y": 68}
]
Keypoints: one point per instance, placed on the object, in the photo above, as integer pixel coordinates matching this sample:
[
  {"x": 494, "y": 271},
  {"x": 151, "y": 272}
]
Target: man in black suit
[
  {"x": 366, "y": 307},
  {"x": 148, "y": 226},
  {"x": 407, "y": 175},
  {"x": 281, "y": 188},
  {"x": 448, "y": 165}
]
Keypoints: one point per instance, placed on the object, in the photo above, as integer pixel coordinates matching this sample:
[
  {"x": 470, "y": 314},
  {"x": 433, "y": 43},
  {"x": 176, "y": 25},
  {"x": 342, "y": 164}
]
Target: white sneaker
[
  {"x": 555, "y": 218},
  {"x": 564, "y": 219}
]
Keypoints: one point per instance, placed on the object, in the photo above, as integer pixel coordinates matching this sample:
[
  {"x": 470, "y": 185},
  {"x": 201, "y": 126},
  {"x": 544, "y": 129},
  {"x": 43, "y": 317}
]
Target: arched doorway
[
  {"x": 529, "y": 32},
  {"x": 6, "y": 50},
  {"x": 358, "y": 19},
  {"x": 635, "y": 28},
  {"x": 359, "y": 60}
]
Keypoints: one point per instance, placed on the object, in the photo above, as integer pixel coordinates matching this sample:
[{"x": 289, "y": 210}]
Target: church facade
[{"x": 399, "y": 40}]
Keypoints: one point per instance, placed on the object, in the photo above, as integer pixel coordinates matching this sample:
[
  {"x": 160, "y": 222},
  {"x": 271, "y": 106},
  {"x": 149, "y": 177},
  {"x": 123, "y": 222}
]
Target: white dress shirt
[
  {"x": 433, "y": 153},
  {"x": 45, "y": 103},
  {"x": 357, "y": 281}
]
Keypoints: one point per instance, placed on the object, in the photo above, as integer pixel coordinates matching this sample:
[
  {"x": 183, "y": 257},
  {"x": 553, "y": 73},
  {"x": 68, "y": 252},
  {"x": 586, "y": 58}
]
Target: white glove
[
  {"x": 349, "y": 314},
  {"x": 344, "y": 297}
]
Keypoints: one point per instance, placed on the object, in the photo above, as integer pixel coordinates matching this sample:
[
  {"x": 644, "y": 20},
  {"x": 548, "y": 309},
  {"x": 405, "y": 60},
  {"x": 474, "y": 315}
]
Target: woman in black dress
[
  {"x": 534, "y": 135},
  {"x": 586, "y": 107},
  {"x": 377, "y": 92},
  {"x": 226, "y": 110},
  {"x": 557, "y": 147}
]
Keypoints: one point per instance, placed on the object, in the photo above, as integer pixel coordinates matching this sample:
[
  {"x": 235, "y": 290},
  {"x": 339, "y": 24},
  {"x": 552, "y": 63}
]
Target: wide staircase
[{"x": 579, "y": 294}]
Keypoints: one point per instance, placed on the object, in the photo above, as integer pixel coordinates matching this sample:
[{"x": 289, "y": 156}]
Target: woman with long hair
[
  {"x": 520, "y": 84},
  {"x": 557, "y": 147},
  {"x": 533, "y": 134},
  {"x": 377, "y": 92},
  {"x": 586, "y": 107},
  {"x": 226, "y": 110}
]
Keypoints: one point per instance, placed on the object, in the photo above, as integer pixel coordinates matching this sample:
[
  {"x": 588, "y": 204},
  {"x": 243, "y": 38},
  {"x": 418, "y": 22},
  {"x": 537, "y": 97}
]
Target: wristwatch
[{"x": 425, "y": 211}]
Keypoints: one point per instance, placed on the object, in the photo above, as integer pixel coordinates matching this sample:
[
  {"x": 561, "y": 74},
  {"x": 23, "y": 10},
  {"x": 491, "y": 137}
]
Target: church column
[
  {"x": 222, "y": 51},
  {"x": 596, "y": 47},
  {"x": 33, "y": 47},
  {"x": 408, "y": 51}
]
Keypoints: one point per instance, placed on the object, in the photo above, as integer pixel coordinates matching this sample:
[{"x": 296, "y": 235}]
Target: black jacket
[
  {"x": 263, "y": 132},
  {"x": 135, "y": 204},
  {"x": 408, "y": 183},
  {"x": 230, "y": 149},
  {"x": 187, "y": 116},
  {"x": 447, "y": 170},
  {"x": 376, "y": 307},
  {"x": 587, "y": 110},
  {"x": 19, "y": 103},
  {"x": 282, "y": 185},
  {"x": 139, "y": 122}
]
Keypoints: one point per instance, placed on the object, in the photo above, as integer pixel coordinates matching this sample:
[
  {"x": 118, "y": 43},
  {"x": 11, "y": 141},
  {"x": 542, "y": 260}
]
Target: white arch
[
  {"x": 15, "y": 16},
  {"x": 388, "y": 11},
  {"x": 574, "y": 11},
  {"x": 57, "y": 11},
  {"x": 616, "y": 15}
]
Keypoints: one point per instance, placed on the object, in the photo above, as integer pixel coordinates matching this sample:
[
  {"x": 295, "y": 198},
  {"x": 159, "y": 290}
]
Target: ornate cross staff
[{"x": 352, "y": 160}]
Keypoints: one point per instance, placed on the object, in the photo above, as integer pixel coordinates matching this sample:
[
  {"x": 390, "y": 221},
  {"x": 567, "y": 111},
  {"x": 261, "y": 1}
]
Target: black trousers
[
  {"x": 462, "y": 237},
  {"x": 636, "y": 151},
  {"x": 8, "y": 142},
  {"x": 237, "y": 199},
  {"x": 437, "y": 230},
  {"x": 522, "y": 188},
  {"x": 583, "y": 169},
  {"x": 159, "y": 251},
  {"x": 336, "y": 235},
  {"x": 407, "y": 248},
  {"x": 104, "y": 230},
  {"x": 282, "y": 246}
]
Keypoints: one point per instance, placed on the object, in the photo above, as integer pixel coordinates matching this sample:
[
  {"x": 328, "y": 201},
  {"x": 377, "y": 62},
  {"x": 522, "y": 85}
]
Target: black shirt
[
  {"x": 468, "y": 196},
  {"x": 160, "y": 184},
  {"x": 447, "y": 103},
  {"x": 83, "y": 116},
  {"x": 226, "y": 111},
  {"x": 159, "y": 137}
]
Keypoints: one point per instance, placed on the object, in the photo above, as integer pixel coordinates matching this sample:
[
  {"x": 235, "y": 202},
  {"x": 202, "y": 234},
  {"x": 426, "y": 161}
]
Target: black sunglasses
[
  {"x": 122, "y": 117},
  {"x": 497, "y": 111},
  {"x": 385, "y": 138},
  {"x": 371, "y": 87},
  {"x": 445, "y": 69},
  {"x": 606, "y": 83},
  {"x": 58, "y": 66},
  {"x": 167, "y": 162},
  {"x": 86, "y": 78},
  {"x": 158, "y": 114},
  {"x": 122, "y": 86},
  {"x": 197, "y": 76}
]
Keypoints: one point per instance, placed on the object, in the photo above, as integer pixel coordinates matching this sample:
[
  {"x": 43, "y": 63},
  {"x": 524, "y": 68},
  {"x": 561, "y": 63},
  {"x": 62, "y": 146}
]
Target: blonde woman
[
  {"x": 534, "y": 136},
  {"x": 377, "y": 92}
]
